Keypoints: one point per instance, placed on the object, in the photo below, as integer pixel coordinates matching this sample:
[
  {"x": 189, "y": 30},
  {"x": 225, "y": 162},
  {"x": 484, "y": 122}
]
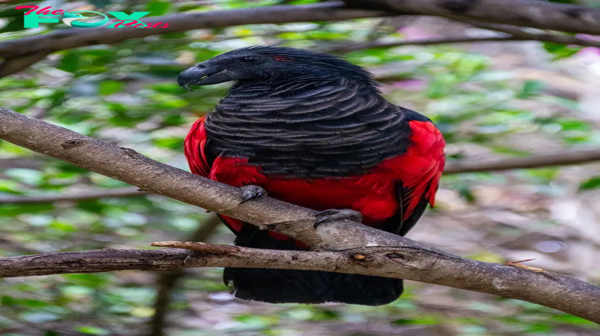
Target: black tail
[{"x": 292, "y": 286}]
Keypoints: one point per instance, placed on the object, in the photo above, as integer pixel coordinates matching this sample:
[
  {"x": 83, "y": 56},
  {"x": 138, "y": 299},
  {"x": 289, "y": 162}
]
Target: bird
[{"x": 314, "y": 130}]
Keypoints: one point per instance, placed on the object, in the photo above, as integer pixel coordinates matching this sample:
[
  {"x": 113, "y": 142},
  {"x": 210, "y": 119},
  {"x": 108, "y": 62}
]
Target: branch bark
[
  {"x": 392, "y": 262},
  {"x": 524, "y": 13},
  {"x": 380, "y": 253}
]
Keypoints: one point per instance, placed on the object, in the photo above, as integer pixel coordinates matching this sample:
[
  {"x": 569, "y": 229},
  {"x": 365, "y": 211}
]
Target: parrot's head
[{"x": 271, "y": 66}]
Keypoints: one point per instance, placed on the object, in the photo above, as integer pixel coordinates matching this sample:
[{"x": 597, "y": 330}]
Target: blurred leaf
[
  {"x": 110, "y": 87},
  {"x": 559, "y": 51},
  {"x": 158, "y": 7},
  {"x": 592, "y": 183},
  {"x": 92, "y": 330},
  {"x": 530, "y": 89}
]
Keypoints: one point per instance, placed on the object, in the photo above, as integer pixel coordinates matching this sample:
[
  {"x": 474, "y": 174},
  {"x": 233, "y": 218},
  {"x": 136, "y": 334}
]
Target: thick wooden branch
[
  {"x": 524, "y": 13},
  {"x": 400, "y": 263},
  {"x": 380, "y": 253}
]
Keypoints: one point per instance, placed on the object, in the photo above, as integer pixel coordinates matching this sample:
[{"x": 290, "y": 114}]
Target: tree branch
[
  {"x": 515, "y": 34},
  {"x": 74, "y": 197},
  {"x": 524, "y": 13},
  {"x": 391, "y": 262},
  {"x": 380, "y": 253},
  {"x": 21, "y": 53},
  {"x": 518, "y": 32},
  {"x": 429, "y": 41},
  {"x": 559, "y": 158}
]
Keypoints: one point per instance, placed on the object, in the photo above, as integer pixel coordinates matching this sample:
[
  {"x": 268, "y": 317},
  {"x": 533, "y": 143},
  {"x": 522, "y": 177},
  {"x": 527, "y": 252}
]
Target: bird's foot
[
  {"x": 337, "y": 214},
  {"x": 251, "y": 192},
  {"x": 520, "y": 265}
]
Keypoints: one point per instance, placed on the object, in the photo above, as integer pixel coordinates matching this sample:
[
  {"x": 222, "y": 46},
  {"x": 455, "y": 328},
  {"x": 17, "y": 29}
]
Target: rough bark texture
[
  {"x": 557, "y": 291},
  {"x": 366, "y": 250}
]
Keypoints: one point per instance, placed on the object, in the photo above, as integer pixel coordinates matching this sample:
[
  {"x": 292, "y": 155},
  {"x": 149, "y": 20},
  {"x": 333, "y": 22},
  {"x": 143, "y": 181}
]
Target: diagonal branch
[
  {"x": 385, "y": 254},
  {"x": 524, "y": 13}
]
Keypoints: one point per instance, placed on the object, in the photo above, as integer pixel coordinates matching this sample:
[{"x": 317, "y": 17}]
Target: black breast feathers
[{"x": 308, "y": 129}]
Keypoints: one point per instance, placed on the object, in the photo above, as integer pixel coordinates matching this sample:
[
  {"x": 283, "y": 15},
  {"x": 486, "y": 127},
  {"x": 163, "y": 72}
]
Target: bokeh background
[{"x": 490, "y": 99}]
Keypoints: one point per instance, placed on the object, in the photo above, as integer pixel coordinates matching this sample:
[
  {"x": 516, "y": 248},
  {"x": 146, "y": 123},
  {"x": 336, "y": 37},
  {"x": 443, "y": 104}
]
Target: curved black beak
[{"x": 202, "y": 74}]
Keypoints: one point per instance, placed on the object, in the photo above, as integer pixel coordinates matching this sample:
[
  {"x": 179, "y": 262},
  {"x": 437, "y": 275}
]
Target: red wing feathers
[
  {"x": 194, "y": 147},
  {"x": 420, "y": 168}
]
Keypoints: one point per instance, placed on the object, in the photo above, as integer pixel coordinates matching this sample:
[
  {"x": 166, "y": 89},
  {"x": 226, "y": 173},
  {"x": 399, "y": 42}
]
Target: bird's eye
[{"x": 249, "y": 59}]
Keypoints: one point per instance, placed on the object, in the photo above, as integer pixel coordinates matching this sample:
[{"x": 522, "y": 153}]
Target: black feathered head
[{"x": 270, "y": 65}]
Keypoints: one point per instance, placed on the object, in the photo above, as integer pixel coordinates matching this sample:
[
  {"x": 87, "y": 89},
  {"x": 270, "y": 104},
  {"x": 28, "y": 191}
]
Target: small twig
[
  {"x": 519, "y": 264},
  {"x": 198, "y": 246}
]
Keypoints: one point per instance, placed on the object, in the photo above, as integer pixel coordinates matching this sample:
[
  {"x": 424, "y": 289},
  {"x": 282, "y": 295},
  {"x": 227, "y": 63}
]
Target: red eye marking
[{"x": 280, "y": 58}]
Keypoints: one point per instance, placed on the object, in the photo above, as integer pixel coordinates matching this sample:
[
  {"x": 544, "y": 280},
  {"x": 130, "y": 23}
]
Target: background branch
[
  {"x": 514, "y": 34},
  {"x": 428, "y": 41},
  {"x": 73, "y": 196},
  {"x": 558, "y": 158},
  {"x": 20, "y": 54},
  {"x": 386, "y": 254},
  {"x": 539, "y": 160},
  {"x": 524, "y": 13}
]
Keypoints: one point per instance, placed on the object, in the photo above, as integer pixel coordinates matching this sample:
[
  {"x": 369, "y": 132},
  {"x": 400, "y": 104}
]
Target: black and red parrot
[{"x": 313, "y": 129}]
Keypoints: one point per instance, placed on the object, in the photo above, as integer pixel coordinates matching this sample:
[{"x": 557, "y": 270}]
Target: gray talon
[
  {"x": 331, "y": 215},
  {"x": 250, "y": 192}
]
